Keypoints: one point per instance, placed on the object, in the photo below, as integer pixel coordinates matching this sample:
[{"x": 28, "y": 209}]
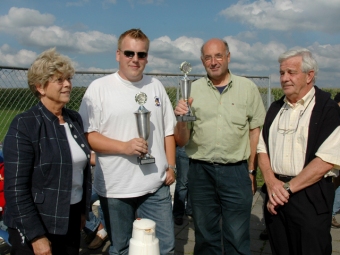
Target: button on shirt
[{"x": 288, "y": 137}]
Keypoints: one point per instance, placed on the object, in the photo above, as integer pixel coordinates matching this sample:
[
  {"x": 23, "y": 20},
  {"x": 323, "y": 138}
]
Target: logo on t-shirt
[{"x": 157, "y": 101}]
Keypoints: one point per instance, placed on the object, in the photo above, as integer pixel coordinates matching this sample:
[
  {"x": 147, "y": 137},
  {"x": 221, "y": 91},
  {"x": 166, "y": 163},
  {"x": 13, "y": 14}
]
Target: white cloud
[
  {"x": 285, "y": 15},
  {"x": 82, "y": 42},
  {"x": 255, "y": 59},
  {"x": 22, "y": 58},
  {"x": 34, "y": 32},
  {"x": 167, "y": 55},
  {"x": 22, "y": 18}
]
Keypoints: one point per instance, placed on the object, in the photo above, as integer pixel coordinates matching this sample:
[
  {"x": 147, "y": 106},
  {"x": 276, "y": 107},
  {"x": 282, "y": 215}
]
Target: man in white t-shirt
[{"x": 125, "y": 188}]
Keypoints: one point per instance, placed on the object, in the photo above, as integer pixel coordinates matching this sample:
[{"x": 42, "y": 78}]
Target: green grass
[
  {"x": 6, "y": 117},
  {"x": 259, "y": 179}
]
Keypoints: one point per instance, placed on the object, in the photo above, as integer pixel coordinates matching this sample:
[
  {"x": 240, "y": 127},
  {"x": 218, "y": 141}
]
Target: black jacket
[{"x": 38, "y": 171}]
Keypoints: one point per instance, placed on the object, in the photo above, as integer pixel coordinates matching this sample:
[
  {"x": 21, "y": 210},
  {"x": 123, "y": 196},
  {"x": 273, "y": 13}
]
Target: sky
[{"x": 257, "y": 33}]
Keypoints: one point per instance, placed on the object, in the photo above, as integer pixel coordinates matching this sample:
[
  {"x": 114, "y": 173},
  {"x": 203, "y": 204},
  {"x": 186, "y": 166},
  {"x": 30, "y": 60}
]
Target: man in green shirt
[{"x": 222, "y": 150}]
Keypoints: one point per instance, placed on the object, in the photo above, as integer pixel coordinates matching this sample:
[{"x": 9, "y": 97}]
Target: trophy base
[
  {"x": 185, "y": 118},
  {"x": 144, "y": 161}
]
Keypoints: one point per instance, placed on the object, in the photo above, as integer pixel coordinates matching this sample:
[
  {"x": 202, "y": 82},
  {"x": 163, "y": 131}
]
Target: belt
[
  {"x": 217, "y": 164},
  {"x": 287, "y": 178},
  {"x": 284, "y": 178}
]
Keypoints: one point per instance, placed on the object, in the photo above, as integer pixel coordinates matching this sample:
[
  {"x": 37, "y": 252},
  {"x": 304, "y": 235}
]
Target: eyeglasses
[
  {"x": 291, "y": 131},
  {"x": 288, "y": 131},
  {"x": 131, "y": 54},
  {"x": 61, "y": 80},
  {"x": 218, "y": 57}
]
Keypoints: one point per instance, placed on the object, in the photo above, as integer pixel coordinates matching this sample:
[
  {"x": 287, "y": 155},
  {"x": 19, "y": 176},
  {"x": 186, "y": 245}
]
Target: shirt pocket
[{"x": 239, "y": 116}]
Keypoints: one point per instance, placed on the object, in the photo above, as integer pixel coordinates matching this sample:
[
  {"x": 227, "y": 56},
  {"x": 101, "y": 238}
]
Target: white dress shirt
[{"x": 288, "y": 136}]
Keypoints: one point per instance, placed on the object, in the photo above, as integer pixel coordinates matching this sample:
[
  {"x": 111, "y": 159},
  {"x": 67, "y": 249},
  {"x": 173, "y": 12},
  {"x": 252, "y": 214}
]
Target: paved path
[{"x": 185, "y": 237}]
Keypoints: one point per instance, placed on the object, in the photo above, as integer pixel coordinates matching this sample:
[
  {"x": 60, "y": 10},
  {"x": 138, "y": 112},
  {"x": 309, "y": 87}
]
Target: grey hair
[
  {"x": 224, "y": 41},
  {"x": 308, "y": 61}
]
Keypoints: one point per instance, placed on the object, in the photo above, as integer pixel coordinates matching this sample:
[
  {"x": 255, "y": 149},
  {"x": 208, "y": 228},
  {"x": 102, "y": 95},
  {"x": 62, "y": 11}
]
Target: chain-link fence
[{"x": 15, "y": 97}]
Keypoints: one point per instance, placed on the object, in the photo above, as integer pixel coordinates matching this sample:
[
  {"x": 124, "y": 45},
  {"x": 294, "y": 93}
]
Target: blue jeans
[
  {"x": 336, "y": 204},
  {"x": 220, "y": 192},
  {"x": 92, "y": 224},
  {"x": 181, "y": 201},
  {"x": 3, "y": 230},
  {"x": 120, "y": 213}
]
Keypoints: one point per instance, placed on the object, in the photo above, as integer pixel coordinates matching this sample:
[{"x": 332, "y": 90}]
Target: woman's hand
[{"x": 41, "y": 246}]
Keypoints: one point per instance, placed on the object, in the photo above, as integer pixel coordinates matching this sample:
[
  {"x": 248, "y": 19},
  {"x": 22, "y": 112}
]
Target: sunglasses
[{"x": 131, "y": 54}]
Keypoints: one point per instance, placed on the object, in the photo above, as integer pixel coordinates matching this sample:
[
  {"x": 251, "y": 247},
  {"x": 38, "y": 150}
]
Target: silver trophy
[
  {"x": 185, "y": 91},
  {"x": 143, "y": 125}
]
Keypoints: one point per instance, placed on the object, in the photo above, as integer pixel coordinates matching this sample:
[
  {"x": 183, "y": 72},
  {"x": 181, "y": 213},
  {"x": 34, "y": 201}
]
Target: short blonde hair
[
  {"x": 48, "y": 64},
  {"x": 134, "y": 33}
]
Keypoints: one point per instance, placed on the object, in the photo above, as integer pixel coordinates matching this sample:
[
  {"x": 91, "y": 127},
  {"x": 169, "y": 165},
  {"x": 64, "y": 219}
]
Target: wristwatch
[
  {"x": 286, "y": 186},
  {"x": 173, "y": 168},
  {"x": 253, "y": 172}
]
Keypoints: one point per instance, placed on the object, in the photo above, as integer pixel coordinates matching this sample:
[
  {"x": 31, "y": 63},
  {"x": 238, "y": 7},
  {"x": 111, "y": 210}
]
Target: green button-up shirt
[{"x": 221, "y": 132}]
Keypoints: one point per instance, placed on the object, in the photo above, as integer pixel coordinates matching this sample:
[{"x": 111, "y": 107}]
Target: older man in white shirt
[{"x": 298, "y": 150}]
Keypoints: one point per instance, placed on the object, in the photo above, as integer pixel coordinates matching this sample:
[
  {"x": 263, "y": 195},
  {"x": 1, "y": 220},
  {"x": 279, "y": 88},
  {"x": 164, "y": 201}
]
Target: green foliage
[
  {"x": 277, "y": 93},
  {"x": 76, "y": 97},
  {"x": 16, "y": 99},
  {"x": 333, "y": 92},
  {"x": 171, "y": 91}
]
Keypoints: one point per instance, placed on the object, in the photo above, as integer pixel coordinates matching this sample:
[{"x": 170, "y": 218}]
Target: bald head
[{"x": 214, "y": 41}]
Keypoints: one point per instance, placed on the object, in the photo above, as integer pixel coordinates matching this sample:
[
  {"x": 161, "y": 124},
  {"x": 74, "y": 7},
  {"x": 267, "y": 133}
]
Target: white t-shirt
[
  {"x": 79, "y": 162},
  {"x": 108, "y": 108}
]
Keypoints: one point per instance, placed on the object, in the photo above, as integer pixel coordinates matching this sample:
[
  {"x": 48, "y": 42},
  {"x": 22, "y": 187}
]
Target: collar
[
  {"x": 303, "y": 101},
  {"x": 229, "y": 85},
  {"x": 49, "y": 115}
]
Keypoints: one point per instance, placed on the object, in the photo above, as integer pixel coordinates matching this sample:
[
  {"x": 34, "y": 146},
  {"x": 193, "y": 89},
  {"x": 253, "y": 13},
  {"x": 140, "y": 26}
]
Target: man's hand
[
  {"x": 278, "y": 196},
  {"x": 182, "y": 107},
  {"x": 41, "y": 246},
  {"x": 170, "y": 177},
  {"x": 136, "y": 146},
  {"x": 253, "y": 183}
]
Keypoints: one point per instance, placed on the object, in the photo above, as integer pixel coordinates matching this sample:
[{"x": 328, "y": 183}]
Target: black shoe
[
  {"x": 264, "y": 235},
  {"x": 179, "y": 221}
]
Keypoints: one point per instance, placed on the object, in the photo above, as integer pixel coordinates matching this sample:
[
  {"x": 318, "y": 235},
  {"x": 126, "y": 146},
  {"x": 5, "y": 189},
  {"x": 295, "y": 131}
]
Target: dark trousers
[
  {"x": 67, "y": 244},
  {"x": 297, "y": 229},
  {"x": 182, "y": 204},
  {"x": 220, "y": 192}
]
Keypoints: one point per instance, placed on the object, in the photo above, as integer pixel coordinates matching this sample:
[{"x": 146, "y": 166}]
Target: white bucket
[{"x": 144, "y": 241}]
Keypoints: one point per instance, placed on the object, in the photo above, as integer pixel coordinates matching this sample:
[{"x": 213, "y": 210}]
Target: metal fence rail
[{"x": 15, "y": 97}]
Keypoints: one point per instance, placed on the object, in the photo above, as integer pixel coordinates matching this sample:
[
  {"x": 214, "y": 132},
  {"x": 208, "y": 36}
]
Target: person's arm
[
  {"x": 19, "y": 160},
  {"x": 252, "y": 161},
  {"x": 182, "y": 133},
  {"x": 102, "y": 144},
  {"x": 274, "y": 186},
  {"x": 170, "y": 151},
  {"x": 311, "y": 174}
]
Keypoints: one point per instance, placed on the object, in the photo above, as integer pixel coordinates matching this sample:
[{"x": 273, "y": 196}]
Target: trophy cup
[
  {"x": 185, "y": 91},
  {"x": 143, "y": 125}
]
